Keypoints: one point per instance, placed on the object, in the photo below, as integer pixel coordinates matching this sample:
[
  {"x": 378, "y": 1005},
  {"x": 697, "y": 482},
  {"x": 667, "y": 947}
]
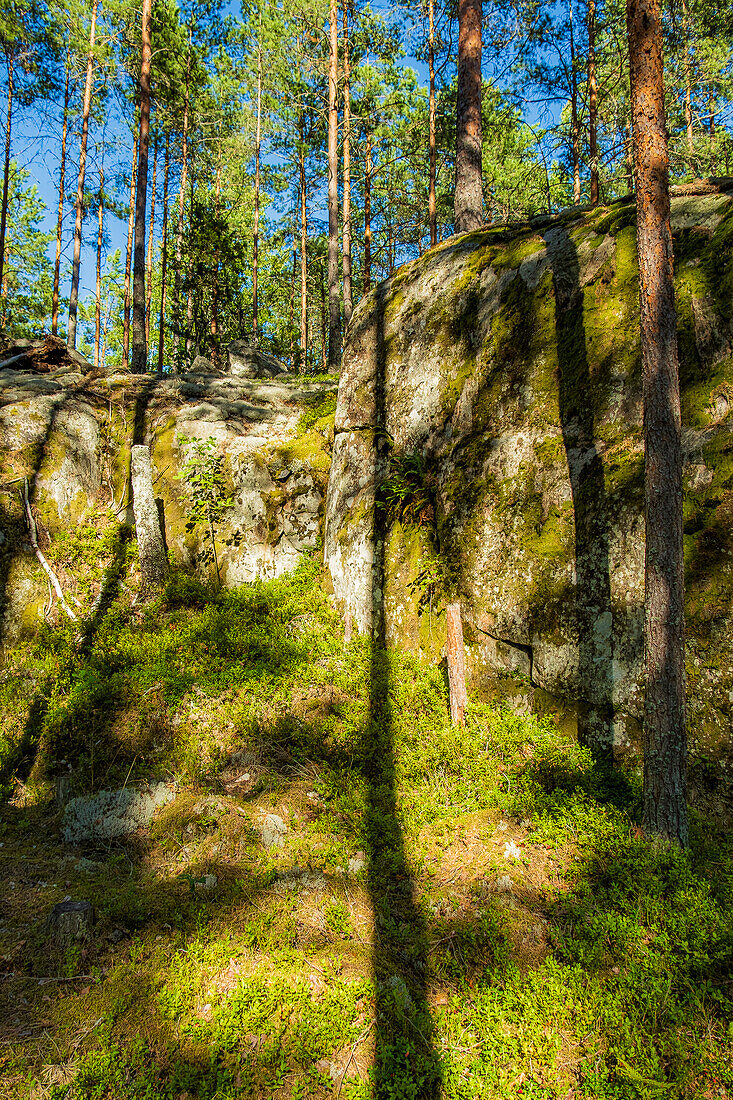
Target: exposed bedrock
[{"x": 495, "y": 383}]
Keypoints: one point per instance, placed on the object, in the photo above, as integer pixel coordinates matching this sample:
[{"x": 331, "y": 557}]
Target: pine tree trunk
[
  {"x": 432, "y": 148},
  {"x": 151, "y": 545},
  {"x": 574, "y": 125},
  {"x": 190, "y": 353},
  {"x": 177, "y": 317},
  {"x": 6, "y": 185},
  {"x": 214, "y": 326},
  {"x": 368, "y": 213},
  {"x": 163, "y": 260},
  {"x": 74, "y": 295},
  {"x": 291, "y": 314},
  {"x": 467, "y": 199},
  {"x": 456, "y": 661},
  {"x": 60, "y": 222},
  {"x": 324, "y": 327},
  {"x": 688, "y": 82},
  {"x": 334, "y": 307},
  {"x": 128, "y": 256},
  {"x": 665, "y": 742},
  {"x": 256, "y": 226},
  {"x": 98, "y": 299},
  {"x": 139, "y": 342},
  {"x": 303, "y": 253},
  {"x": 346, "y": 258},
  {"x": 592, "y": 105},
  {"x": 151, "y": 241}
]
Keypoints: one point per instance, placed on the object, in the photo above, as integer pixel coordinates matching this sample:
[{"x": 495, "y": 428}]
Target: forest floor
[{"x": 450, "y": 912}]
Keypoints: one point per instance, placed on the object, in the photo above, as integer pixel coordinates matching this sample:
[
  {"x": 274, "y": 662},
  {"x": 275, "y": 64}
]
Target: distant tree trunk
[
  {"x": 574, "y": 125},
  {"x": 256, "y": 227},
  {"x": 163, "y": 261},
  {"x": 665, "y": 741},
  {"x": 151, "y": 545},
  {"x": 139, "y": 342},
  {"x": 214, "y": 327},
  {"x": 291, "y": 315},
  {"x": 324, "y": 327},
  {"x": 190, "y": 353},
  {"x": 432, "y": 148},
  {"x": 151, "y": 241},
  {"x": 177, "y": 319},
  {"x": 468, "y": 193},
  {"x": 629, "y": 153},
  {"x": 62, "y": 181},
  {"x": 334, "y": 307},
  {"x": 303, "y": 252},
  {"x": 592, "y": 104},
  {"x": 128, "y": 259},
  {"x": 346, "y": 215},
  {"x": 688, "y": 81},
  {"x": 368, "y": 213},
  {"x": 6, "y": 183},
  {"x": 98, "y": 299},
  {"x": 74, "y": 295}
]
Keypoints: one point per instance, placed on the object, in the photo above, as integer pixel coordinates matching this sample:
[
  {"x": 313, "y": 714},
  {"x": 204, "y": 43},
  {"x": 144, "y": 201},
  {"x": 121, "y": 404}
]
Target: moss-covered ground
[{"x": 461, "y": 912}]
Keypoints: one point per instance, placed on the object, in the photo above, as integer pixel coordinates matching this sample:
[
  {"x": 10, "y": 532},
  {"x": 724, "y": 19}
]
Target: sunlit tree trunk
[
  {"x": 688, "y": 81},
  {"x": 665, "y": 740},
  {"x": 60, "y": 221},
  {"x": 128, "y": 257},
  {"x": 76, "y": 263},
  {"x": 303, "y": 251},
  {"x": 574, "y": 126},
  {"x": 177, "y": 318},
  {"x": 432, "y": 148},
  {"x": 346, "y": 214},
  {"x": 468, "y": 193},
  {"x": 163, "y": 260},
  {"x": 291, "y": 314},
  {"x": 190, "y": 355},
  {"x": 256, "y": 226},
  {"x": 334, "y": 306},
  {"x": 6, "y": 184},
  {"x": 151, "y": 242},
  {"x": 98, "y": 301},
  {"x": 368, "y": 213},
  {"x": 139, "y": 342},
  {"x": 214, "y": 327},
  {"x": 592, "y": 105}
]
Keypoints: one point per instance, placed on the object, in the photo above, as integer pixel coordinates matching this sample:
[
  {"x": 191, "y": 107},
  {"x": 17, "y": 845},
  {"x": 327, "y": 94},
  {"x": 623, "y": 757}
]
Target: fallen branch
[{"x": 36, "y": 549}]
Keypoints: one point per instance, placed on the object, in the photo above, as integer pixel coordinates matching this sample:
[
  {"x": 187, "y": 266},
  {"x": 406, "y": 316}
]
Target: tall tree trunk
[
  {"x": 177, "y": 318},
  {"x": 163, "y": 260},
  {"x": 6, "y": 184},
  {"x": 303, "y": 251},
  {"x": 98, "y": 298},
  {"x": 467, "y": 199},
  {"x": 190, "y": 353},
  {"x": 74, "y": 296},
  {"x": 62, "y": 181},
  {"x": 688, "y": 81},
  {"x": 592, "y": 104},
  {"x": 346, "y": 214},
  {"x": 368, "y": 213},
  {"x": 665, "y": 741},
  {"x": 128, "y": 257},
  {"x": 291, "y": 314},
  {"x": 574, "y": 125},
  {"x": 139, "y": 341},
  {"x": 256, "y": 226},
  {"x": 151, "y": 241},
  {"x": 432, "y": 148},
  {"x": 334, "y": 305},
  {"x": 324, "y": 329},
  {"x": 214, "y": 326},
  {"x": 150, "y": 541}
]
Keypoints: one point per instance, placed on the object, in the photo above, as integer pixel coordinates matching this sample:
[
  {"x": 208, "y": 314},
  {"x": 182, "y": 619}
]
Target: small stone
[
  {"x": 206, "y": 884},
  {"x": 511, "y": 851},
  {"x": 273, "y": 831}
]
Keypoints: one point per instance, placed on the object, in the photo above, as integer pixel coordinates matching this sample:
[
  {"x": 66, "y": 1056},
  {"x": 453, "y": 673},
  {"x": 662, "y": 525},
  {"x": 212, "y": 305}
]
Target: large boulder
[
  {"x": 246, "y": 361},
  {"x": 488, "y": 448}
]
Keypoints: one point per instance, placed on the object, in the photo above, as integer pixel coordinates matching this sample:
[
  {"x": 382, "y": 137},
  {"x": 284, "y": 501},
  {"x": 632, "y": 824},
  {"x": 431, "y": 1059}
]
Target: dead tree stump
[
  {"x": 456, "y": 663},
  {"x": 150, "y": 542},
  {"x": 70, "y": 921}
]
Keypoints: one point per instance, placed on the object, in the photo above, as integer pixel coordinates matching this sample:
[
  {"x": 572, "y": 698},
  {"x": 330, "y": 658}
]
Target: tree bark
[
  {"x": 455, "y": 658},
  {"x": 139, "y": 341},
  {"x": 291, "y": 314},
  {"x": 432, "y": 148},
  {"x": 592, "y": 105},
  {"x": 214, "y": 326},
  {"x": 368, "y": 213},
  {"x": 346, "y": 214},
  {"x": 303, "y": 252},
  {"x": 151, "y": 241},
  {"x": 151, "y": 545},
  {"x": 324, "y": 327},
  {"x": 177, "y": 319},
  {"x": 688, "y": 81},
  {"x": 98, "y": 297},
  {"x": 128, "y": 258},
  {"x": 163, "y": 261},
  {"x": 665, "y": 742},
  {"x": 256, "y": 226},
  {"x": 6, "y": 182},
  {"x": 60, "y": 222},
  {"x": 467, "y": 199},
  {"x": 74, "y": 296},
  {"x": 574, "y": 125},
  {"x": 334, "y": 305}
]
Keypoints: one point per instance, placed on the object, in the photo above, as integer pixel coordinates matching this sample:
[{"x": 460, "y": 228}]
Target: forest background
[{"x": 236, "y": 227}]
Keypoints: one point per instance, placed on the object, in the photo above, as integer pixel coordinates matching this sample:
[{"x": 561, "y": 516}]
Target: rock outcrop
[
  {"x": 488, "y": 448},
  {"x": 70, "y": 436}
]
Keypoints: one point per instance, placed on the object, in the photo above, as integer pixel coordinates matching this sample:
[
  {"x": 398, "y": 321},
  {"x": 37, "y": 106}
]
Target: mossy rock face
[
  {"x": 509, "y": 361},
  {"x": 71, "y": 437}
]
